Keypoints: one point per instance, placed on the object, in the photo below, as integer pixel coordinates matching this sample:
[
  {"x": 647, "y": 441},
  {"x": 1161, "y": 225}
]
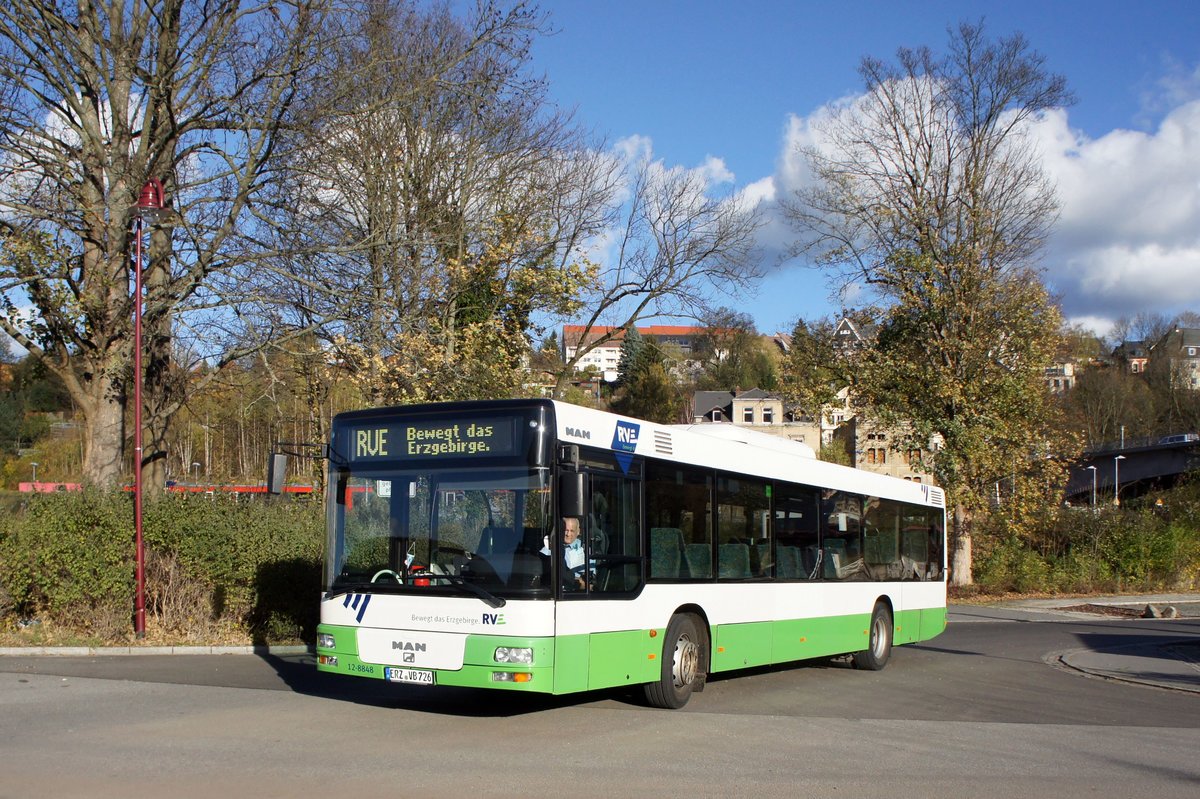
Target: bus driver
[{"x": 573, "y": 555}]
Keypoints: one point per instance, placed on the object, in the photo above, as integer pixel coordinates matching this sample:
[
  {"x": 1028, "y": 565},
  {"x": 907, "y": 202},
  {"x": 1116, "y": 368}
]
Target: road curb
[
  {"x": 104, "y": 651},
  {"x": 1175, "y": 665}
]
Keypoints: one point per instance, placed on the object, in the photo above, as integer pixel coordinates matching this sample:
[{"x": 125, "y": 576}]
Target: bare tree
[
  {"x": 675, "y": 246},
  {"x": 441, "y": 200},
  {"x": 103, "y": 95},
  {"x": 929, "y": 192}
]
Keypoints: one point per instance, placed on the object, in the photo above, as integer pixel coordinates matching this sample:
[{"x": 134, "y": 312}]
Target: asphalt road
[{"x": 981, "y": 711}]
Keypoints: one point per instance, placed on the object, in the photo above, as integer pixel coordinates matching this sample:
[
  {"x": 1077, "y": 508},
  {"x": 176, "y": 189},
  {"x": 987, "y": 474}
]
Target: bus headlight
[
  {"x": 514, "y": 654},
  {"x": 325, "y": 641}
]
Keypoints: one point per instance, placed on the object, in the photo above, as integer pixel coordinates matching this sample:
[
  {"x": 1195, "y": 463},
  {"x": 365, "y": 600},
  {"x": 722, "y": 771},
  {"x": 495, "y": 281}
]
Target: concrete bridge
[{"x": 1132, "y": 470}]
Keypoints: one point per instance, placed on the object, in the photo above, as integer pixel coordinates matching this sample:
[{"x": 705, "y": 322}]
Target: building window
[
  {"x": 716, "y": 416},
  {"x": 748, "y": 415},
  {"x": 768, "y": 416}
]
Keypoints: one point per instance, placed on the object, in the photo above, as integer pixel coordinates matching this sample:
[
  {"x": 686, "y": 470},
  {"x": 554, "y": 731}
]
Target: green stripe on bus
[{"x": 572, "y": 663}]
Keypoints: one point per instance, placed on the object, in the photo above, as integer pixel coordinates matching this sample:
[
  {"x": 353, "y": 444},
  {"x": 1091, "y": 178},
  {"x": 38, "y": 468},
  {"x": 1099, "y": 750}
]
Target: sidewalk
[{"x": 1172, "y": 664}]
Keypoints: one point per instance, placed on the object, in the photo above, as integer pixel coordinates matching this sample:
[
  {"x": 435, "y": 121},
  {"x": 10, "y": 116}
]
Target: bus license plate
[{"x": 409, "y": 675}]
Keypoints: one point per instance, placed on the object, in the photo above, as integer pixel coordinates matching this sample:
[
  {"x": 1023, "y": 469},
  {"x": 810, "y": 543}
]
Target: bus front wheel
[
  {"x": 879, "y": 645},
  {"x": 682, "y": 664}
]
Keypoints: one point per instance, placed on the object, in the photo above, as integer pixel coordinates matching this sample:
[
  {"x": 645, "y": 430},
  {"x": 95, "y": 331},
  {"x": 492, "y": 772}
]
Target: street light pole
[
  {"x": 1093, "y": 470},
  {"x": 1117, "y": 479},
  {"x": 34, "y": 465},
  {"x": 150, "y": 204}
]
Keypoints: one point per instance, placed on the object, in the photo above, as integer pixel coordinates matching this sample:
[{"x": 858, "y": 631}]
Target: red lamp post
[{"x": 150, "y": 205}]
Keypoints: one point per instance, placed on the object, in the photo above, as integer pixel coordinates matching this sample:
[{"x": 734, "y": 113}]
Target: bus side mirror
[
  {"x": 570, "y": 494},
  {"x": 276, "y": 473}
]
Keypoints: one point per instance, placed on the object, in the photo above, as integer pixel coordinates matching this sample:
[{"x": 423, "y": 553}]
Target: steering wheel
[{"x": 387, "y": 572}]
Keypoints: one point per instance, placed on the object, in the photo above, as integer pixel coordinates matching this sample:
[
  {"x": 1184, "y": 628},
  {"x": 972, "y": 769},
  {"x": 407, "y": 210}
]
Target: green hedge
[
  {"x": 1136, "y": 549},
  {"x": 221, "y": 566}
]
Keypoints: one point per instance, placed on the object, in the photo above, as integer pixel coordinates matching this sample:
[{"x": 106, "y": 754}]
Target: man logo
[
  {"x": 408, "y": 646},
  {"x": 575, "y": 432}
]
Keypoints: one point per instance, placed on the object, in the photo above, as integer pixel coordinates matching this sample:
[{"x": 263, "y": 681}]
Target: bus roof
[{"x": 729, "y": 448}]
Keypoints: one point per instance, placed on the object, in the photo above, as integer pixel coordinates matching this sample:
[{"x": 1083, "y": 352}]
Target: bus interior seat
[
  {"x": 787, "y": 562},
  {"x": 762, "y": 560},
  {"x": 597, "y": 536},
  {"x": 914, "y": 544},
  {"x": 835, "y": 556},
  {"x": 809, "y": 556},
  {"x": 735, "y": 561},
  {"x": 499, "y": 544},
  {"x": 666, "y": 551},
  {"x": 527, "y": 569},
  {"x": 699, "y": 560}
]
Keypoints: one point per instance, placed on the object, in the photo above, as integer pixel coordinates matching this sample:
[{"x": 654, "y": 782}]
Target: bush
[
  {"x": 218, "y": 566},
  {"x": 1134, "y": 548}
]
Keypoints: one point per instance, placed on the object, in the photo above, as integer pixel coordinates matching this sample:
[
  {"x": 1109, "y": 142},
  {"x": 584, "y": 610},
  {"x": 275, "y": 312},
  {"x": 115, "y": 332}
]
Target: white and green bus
[{"x": 705, "y": 548}]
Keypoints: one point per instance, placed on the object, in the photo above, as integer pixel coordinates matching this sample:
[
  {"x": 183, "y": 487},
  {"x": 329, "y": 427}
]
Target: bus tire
[
  {"x": 879, "y": 645},
  {"x": 682, "y": 666}
]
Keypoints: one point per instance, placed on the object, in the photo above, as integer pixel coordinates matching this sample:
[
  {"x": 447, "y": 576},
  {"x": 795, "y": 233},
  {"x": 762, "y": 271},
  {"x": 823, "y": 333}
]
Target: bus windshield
[{"x": 440, "y": 531}]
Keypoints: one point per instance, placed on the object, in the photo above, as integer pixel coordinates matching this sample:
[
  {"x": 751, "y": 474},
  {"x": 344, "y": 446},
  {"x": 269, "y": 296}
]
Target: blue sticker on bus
[
  {"x": 625, "y": 441},
  {"x": 357, "y": 602}
]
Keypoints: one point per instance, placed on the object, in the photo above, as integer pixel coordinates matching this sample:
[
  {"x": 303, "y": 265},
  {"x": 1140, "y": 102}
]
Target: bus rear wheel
[
  {"x": 879, "y": 646},
  {"x": 682, "y": 664}
]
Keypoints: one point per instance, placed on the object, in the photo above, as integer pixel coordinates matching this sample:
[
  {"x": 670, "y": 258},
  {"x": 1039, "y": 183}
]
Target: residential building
[
  {"x": 1179, "y": 350},
  {"x": 758, "y": 410},
  {"x": 606, "y": 357},
  {"x": 876, "y": 450},
  {"x": 1060, "y": 377},
  {"x": 1133, "y": 355}
]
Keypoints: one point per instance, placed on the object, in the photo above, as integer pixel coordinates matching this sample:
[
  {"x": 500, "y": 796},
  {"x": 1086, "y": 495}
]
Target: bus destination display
[{"x": 444, "y": 439}]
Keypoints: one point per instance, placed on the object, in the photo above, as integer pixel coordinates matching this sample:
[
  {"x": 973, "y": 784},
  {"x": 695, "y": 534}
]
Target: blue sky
[{"x": 725, "y": 80}]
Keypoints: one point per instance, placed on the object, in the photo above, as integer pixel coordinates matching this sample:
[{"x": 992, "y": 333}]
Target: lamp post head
[
  {"x": 150, "y": 203},
  {"x": 1119, "y": 458}
]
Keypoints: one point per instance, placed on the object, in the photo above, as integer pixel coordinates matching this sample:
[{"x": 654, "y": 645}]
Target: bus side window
[
  {"x": 679, "y": 499},
  {"x": 613, "y": 532},
  {"x": 797, "y": 536}
]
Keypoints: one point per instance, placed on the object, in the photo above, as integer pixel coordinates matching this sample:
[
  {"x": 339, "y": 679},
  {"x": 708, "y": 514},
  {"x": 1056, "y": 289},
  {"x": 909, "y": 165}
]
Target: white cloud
[
  {"x": 1128, "y": 236},
  {"x": 715, "y": 172},
  {"x": 758, "y": 192},
  {"x": 633, "y": 149},
  {"x": 1128, "y": 239}
]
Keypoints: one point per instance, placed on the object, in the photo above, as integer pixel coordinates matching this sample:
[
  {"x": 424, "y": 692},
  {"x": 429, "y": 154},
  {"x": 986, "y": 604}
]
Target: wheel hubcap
[
  {"x": 878, "y": 638},
  {"x": 687, "y": 661}
]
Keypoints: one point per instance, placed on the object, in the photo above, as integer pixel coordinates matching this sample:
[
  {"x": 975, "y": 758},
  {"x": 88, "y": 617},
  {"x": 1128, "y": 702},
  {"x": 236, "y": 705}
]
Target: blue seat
[
  {"x": 735, "y": 561},
  {"x": 787, "y": 562},
  {"x": 699, "y": 560},
  {"x": 666, "y": 552}
]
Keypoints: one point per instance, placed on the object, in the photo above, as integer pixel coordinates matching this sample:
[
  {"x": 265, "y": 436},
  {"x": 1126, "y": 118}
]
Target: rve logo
[
  {"x": 493, "y": 618},
  {"x": 625, "y": 441}
]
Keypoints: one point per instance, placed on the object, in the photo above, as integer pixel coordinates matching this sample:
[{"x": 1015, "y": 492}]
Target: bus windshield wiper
[
  {"x": 491, "y": 599},
  {"x": 346, "y": 588}
]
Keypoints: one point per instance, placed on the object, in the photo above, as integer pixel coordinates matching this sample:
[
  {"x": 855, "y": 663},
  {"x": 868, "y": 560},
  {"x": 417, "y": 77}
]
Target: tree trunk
[
  {"x": 101, "y": 402},
  {"x": 960, "y": 548}
]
